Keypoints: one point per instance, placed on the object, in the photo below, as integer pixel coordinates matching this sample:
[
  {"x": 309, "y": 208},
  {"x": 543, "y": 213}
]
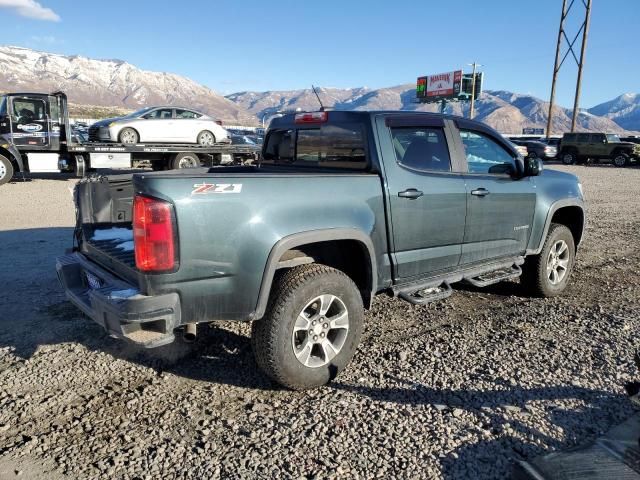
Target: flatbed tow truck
[{"x": 35, "y": 137}]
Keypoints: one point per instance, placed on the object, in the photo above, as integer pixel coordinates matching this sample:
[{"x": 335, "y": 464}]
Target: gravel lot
[{"x": 455, "y": 389}]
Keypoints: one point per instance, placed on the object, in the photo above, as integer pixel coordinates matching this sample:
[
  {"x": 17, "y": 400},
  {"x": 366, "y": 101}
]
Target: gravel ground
[{"x": 455, "y": 389}]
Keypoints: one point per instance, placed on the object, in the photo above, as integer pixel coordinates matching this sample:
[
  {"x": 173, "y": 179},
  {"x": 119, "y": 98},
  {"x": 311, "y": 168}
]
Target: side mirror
[{"x": 533, "y": 167}]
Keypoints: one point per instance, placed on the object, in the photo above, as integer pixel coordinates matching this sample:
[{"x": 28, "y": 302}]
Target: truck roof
[{"x": 288, "y": 119}]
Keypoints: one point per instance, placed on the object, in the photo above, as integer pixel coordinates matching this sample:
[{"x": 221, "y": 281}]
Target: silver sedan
[{"x": 162, "y": 125}]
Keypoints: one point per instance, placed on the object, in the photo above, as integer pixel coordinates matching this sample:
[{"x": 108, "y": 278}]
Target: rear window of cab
[{"x": 329, "y": 145}]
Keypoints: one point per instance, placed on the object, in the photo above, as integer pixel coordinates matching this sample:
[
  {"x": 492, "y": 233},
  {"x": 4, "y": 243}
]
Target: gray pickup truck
[{"x": 342, "y": 206}]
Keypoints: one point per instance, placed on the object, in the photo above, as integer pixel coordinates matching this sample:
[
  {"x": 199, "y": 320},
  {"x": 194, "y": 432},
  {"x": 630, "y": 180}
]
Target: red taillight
[
  {"x": 311, "y": 117},
  {"x": 153, "y": 234}
]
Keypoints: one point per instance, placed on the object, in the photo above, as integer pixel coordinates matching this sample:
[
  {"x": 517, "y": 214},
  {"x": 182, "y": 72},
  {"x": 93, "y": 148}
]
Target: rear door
[
  {"x": 29, "y": 117},
  {"x": 426, "y": 194},
  {"x": 598, "y": 147},
  {"x": 187, "y": 125},
  {"x": 500, "y": 204}
]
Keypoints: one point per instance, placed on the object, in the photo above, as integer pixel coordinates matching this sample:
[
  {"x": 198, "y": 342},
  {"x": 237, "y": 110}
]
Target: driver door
[{"x": 29, "y": 119}]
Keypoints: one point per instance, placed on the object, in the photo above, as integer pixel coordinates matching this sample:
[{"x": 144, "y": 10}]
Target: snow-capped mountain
[
  {"x": 506, "y": 111},
  {"x": 624, "y": 110},
  {"x": 116, "y": 83},
  {"x": 113, "y": 83}
]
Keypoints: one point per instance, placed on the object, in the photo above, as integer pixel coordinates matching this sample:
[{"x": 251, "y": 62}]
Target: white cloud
[{"x": 31, "y": 9}]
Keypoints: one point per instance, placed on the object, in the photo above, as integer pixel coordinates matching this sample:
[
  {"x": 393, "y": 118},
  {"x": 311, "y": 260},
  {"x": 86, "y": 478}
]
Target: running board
[
  {"x": 426, "y": 295},
  {"x": 496, "y": 276}
]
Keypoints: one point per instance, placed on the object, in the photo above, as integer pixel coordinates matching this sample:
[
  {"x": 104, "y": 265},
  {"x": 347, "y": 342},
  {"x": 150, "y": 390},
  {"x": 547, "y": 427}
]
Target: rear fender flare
[{"x": 305, "y": 238}]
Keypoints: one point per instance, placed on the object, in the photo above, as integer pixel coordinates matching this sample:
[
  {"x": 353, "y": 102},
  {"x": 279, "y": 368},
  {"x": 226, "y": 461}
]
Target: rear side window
[
  {"x": 485, "y": 155},
  {"x": 186, "y": 114},
  {"x": 583, "y": 138},
  {"x": 333, "y": 146},
  {"x": 569, "y": 137},
  {"x": 421, "y": 148}
]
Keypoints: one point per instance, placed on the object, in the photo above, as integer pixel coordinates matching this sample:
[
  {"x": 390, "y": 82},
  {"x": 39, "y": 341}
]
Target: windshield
[
  {"x": 139, "y": 113},
  {"x": 611, "y": 138}
]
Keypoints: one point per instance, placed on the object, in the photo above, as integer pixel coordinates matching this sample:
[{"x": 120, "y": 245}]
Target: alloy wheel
[
  {"x": 558, "y": 262},
  {"x": 320, "y": 331}
]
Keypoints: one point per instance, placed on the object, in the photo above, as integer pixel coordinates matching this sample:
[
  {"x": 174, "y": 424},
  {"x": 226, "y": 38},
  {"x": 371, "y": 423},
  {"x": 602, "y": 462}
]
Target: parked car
[
  {"x": 630, "y": 139},
  {"x": 344, "y": 206},
  {"x": 536, "y": 149},
  {"x": 161, "y": 125},
  {"x": 579, "y": 147}
]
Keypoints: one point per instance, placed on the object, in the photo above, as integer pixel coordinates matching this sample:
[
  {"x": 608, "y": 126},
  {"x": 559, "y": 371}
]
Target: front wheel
[
  {"x": 128, "y": 136},
  {"x": 311, "y": 329},
  {"x": 547, "y": 274},
  {"x": 620, "y": 160},
  {"x": 6, "y": 170}
]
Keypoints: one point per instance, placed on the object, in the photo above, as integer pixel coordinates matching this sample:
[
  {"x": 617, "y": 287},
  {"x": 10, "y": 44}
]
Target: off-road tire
[
  {"x": 620, "y": 159},
  {"x": 568, "y": 157},
  {"x": 535, "y": 278},
  {"x": 6, "y": 170},
  {"x": 271, "y": 336}
]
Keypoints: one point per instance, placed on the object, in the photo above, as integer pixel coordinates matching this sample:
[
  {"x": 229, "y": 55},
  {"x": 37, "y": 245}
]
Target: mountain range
[{"x": 119, "y": 86}]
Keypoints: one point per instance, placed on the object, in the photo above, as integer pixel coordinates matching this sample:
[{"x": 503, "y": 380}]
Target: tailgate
[{"x": 103, "y": 229}]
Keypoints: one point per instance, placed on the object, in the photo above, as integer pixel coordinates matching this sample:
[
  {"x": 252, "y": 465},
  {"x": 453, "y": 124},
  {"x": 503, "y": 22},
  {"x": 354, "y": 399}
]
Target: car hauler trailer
[{"x": 35, "y": 136}]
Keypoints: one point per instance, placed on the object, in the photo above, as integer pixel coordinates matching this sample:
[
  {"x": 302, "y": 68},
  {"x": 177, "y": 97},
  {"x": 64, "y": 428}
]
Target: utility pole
[
  {"x": 585, "y": 34},
  {"x": 584, "y": 30},
  {"x": 473, "y": 89}
]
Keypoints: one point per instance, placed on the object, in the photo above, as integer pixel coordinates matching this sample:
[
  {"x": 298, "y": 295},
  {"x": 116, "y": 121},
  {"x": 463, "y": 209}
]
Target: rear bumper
[{"x": 118, "y": 306}]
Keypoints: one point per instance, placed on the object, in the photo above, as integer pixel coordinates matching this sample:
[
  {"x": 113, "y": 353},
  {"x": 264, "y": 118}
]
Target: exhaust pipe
[{"x": 189, "y": 335}]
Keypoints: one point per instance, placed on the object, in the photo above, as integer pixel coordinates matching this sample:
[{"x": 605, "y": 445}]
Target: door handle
[
  {"x": 411, "y": 193},
  {"x": 480, "y": 192}
]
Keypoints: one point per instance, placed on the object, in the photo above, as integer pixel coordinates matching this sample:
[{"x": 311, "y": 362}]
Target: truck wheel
[
  {"x": 185, "y": 160},
  {"x": 206, "y": 138},
  {"x": 568, "y": 158},
  {"x": 547, "y": 274},
  {"x": 6, "y": 170},
  {"x": 128, "y": 136},
  {"x": 620, "y": 160},
  {"x": 311, "y": 329}
]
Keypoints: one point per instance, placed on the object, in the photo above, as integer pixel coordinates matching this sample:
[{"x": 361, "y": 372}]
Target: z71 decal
[{"x": 204, "y": 188}]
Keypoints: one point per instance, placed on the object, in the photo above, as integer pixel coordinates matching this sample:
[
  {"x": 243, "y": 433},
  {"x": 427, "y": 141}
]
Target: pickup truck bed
[{"x": 344, "y": 205}]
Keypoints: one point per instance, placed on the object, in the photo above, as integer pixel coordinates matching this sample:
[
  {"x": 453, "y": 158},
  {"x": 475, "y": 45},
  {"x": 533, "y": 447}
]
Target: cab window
[
  {"x": 421, "y": 148},
  {"x": 27, "y": 110},
  {"x": 485, "y": 155},
  {"x": 332, "y": 146}
]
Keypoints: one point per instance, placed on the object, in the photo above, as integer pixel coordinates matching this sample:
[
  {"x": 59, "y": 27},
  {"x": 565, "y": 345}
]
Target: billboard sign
[
  {"x": 439, "y": 86},
  {"x": 532, "y": 131}
]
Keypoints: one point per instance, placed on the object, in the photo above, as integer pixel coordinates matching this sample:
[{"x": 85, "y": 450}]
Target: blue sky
[{"x": 280, "y": 44}]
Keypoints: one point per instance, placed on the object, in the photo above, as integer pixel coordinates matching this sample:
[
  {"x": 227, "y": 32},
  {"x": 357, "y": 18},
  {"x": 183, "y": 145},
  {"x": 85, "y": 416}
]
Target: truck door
[
  {"x": 500, "y": 205},
  {"x": 426, "y": 194},
  {"x": 29, "y": 117}
]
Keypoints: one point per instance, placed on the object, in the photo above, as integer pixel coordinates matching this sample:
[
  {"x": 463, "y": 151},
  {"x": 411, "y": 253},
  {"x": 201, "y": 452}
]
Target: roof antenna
[{"x": 318, "y": 97}]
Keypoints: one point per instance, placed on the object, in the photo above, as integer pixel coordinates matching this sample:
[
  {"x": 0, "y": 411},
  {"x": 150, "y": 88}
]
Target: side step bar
[
  {"x": 439, "y": 287},
  {"x": 426, "y": 295},
  {"x": 494, "y": 277}
]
